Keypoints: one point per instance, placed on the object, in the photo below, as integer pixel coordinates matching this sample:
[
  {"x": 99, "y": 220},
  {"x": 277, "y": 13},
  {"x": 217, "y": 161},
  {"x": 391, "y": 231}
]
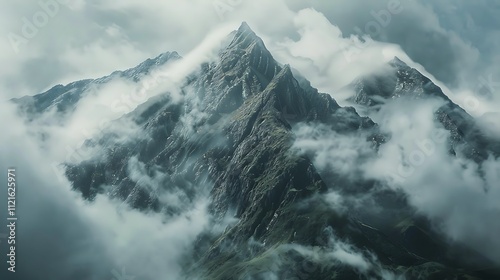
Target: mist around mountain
[{"x": 227, "y": 164}]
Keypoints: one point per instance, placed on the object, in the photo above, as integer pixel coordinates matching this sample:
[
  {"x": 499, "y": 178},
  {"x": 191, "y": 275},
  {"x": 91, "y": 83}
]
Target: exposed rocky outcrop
[
  {"x": 404, "y": 81},
  {"x": 237, "y": 150}
]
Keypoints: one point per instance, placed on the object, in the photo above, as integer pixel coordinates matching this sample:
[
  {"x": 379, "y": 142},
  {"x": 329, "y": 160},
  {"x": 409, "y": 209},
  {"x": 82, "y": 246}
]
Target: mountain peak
[
  {"x": 245, "y": 37},
  {"x": 244, "y": 27},
  {"x": 247, "y": 53},
  {"x": 396, "y": 62},
  {"x": 287, "y": 70},
  {"x": 243, "y": 139},
  {"x": 402, "y": 80}
]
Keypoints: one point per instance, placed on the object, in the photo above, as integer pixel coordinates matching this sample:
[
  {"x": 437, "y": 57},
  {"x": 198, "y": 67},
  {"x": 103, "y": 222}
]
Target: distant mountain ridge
[
  {"x": 66, "y": 97},
  {"x": 404, "y": 81},
  {"x": 231, "y": 139}
]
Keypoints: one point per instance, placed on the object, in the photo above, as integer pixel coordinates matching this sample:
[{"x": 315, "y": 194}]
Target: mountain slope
[
  {"x": 404, "y": 81},
  {"x": 64, "y": 98},
  {"x": 230, "y": 138}
]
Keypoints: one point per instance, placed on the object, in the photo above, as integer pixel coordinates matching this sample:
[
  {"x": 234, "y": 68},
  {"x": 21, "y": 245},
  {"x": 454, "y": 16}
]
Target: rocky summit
[
  {"x": 229, "y": 139},
  {"x": 404, "y": 81}
]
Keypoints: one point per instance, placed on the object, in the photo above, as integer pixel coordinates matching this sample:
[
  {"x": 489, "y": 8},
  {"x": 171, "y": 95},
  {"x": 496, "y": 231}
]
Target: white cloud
[
  {"x": 94, "y": 38},
  {"x": 457, "y": 194},
  {"x": 98, "y": 237},
  {"x": 331, "y": 150}
]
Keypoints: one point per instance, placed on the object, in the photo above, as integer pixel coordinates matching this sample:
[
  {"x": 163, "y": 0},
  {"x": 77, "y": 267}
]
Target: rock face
[
  {"x": 404, "y": 81},
  {"x": 230, "y": 139},
  {"x": 64, "y": 98}
]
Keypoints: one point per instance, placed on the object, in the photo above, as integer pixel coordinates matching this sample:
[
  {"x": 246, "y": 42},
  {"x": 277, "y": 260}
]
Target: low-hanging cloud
[
  {"x": 83, "y": 240},
  {"x": 105, "y": 237},
  {"x": 458, "y": 194},
  {"x": 94, "y": 38}
]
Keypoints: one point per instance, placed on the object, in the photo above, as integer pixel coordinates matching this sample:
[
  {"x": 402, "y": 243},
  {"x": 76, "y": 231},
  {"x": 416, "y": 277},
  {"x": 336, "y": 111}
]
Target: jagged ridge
[
  {"x": 407, "y": 82},
  {"x": 249, "y": 103}
]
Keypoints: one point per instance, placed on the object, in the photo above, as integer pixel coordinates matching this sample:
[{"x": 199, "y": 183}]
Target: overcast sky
[{"x": 454, "y": 42}]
